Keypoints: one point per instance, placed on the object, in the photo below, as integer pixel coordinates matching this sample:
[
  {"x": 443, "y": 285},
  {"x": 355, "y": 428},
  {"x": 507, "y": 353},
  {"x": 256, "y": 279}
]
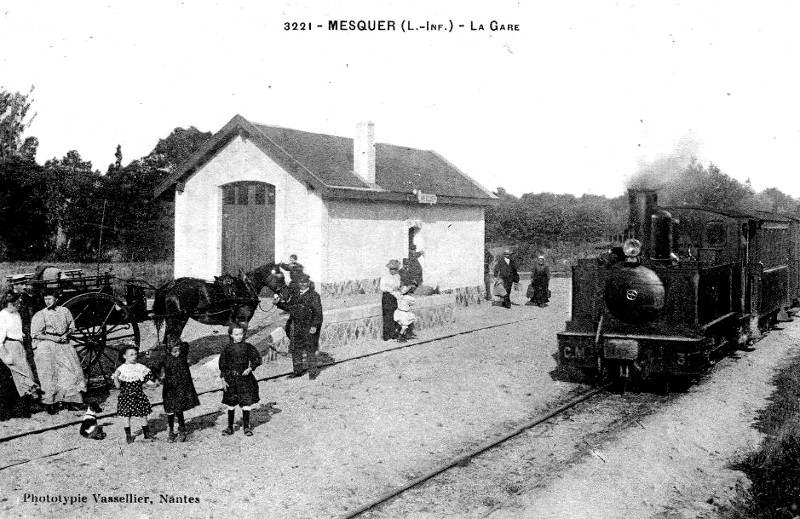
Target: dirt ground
[{"x": 367, "y": 426}]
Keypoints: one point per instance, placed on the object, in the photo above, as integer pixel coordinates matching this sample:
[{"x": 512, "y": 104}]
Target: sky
[{"x": 577, "y": 100}]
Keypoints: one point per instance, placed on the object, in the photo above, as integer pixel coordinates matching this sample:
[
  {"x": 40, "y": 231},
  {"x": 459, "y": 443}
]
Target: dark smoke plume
[{"x": 665, "y": 170}]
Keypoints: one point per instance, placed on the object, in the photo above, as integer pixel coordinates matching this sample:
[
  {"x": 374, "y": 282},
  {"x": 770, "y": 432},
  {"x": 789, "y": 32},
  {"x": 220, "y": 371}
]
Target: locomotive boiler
[{"x": 688, "y": 283}]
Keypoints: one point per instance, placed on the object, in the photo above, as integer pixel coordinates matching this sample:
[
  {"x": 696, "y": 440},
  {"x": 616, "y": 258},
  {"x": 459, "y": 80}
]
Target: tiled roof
[{"x": 327, "y": 161}]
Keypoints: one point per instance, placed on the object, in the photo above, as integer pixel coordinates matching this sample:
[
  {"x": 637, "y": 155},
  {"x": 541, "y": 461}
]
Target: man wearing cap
[
  {"x": 57, "y": 364},
  {"x": 294, "y": 268},
  {"x": 506, "y": 270},
  {"x": 539, "y": 290},
  {"x": 305, "y": 309}
]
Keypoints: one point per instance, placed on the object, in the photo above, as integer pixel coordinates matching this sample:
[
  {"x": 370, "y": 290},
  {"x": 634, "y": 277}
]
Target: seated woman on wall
[{"x": 390, "y": 286}]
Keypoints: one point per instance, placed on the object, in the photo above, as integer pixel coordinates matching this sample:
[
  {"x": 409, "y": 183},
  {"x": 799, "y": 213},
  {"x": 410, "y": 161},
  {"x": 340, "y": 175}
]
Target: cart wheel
[{"x": 103, "y": 324}]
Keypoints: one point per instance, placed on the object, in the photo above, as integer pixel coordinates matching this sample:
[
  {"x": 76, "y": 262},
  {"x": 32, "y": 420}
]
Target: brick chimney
[{"x": 364, "y": 151}]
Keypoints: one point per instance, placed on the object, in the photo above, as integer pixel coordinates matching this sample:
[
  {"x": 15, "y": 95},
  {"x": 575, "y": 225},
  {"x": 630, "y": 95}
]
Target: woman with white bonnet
[{"x": 539, "y": 291}]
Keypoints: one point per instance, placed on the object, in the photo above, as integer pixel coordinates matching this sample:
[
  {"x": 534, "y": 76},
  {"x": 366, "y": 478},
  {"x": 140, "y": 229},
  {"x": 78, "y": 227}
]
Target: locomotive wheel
[
  {"x": 624, "y": 377},
  {"x": 103, "y": 324},
  {"x": 603, "y": 373}
]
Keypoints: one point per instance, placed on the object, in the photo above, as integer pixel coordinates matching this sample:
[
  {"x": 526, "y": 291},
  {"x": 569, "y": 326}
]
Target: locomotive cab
[{"x": 652, "y": 314}]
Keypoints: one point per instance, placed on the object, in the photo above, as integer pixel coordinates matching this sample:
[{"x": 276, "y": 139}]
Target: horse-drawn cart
[
  {"x": 108, "y": 310},
  {"x": 103, "y": 320}
]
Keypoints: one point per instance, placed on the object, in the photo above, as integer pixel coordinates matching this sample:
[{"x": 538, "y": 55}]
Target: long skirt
[
  {"x": 60, "y": 372},
  {"x": 538, "y": 291},
  {"x": 10, "y": 402},
  {"x": 20, "y": 369},
  {"x": 389, "y": 305},
  {"x": 242, "y": 390}
]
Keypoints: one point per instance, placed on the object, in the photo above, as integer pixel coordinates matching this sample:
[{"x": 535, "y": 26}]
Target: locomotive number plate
[{"x": 621, "y": 349}]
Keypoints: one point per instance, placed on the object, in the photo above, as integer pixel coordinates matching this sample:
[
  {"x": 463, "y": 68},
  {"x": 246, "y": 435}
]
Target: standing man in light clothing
[{"x": 59, "y": 369}]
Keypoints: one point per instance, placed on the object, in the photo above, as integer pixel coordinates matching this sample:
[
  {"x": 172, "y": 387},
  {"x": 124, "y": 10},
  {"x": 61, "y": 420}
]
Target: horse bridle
[{"x": 252, "y": 290}]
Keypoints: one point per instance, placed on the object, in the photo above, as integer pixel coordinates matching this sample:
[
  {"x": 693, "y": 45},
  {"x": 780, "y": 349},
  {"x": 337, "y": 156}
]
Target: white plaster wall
[
  {"x": 198, "y": 212},
  {"x": 363, "y": 236}
]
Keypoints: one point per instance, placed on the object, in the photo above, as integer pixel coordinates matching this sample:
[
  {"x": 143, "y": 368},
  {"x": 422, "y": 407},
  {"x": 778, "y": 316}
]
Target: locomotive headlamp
[{"x": 632, "y": 247}]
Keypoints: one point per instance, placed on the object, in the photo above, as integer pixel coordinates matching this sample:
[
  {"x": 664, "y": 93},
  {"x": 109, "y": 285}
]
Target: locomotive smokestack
[{"x": 642, "y": 203}]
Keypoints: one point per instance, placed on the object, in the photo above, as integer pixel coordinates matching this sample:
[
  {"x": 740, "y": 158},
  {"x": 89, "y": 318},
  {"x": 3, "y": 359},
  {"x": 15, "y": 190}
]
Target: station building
[{"x": 255, "y": 193}]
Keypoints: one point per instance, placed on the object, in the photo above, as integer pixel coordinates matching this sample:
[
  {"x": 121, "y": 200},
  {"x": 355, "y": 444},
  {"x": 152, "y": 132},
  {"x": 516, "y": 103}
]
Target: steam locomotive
[{"x": 687, "y": 284}]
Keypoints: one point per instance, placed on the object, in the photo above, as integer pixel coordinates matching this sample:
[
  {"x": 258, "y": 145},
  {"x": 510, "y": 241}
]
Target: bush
[
  {"x": 560, "y": 256},
  {"x": 774, "y": 469}
]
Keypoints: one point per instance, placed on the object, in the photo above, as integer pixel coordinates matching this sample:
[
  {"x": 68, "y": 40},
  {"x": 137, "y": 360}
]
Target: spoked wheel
[{"x": 103, "y": 325}]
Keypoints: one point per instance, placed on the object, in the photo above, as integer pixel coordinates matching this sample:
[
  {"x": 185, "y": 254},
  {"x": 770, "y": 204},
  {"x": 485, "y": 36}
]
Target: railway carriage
[{"x": 689, "y": 282}]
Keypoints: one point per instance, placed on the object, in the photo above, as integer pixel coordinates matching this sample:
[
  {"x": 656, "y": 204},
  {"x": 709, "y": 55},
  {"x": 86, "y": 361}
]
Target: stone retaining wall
[
  {"x": 353, "y": 286},
  {"x": 465, "y": 296},
  {"x": 362, "y": 323}
]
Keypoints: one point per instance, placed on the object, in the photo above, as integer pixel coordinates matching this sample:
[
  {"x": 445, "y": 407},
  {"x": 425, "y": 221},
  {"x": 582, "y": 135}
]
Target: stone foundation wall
[
  {"x": 465, "y": 296},
  {"x": 361, "y": 323},
  {"x": 350, "y": 287}
]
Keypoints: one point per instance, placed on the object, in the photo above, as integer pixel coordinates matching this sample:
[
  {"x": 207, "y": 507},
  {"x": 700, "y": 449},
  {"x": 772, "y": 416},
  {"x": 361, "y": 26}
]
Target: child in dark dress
[
  {"x": 236, "y": 364},
  {"x": 129, "y": 379},
  {"x": 179, "y": 392}
]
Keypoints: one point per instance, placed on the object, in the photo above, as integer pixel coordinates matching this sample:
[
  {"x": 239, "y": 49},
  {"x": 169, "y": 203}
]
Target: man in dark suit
[
  {"x": 506, "y": 270},
  {"x": 305, "y": 309}
]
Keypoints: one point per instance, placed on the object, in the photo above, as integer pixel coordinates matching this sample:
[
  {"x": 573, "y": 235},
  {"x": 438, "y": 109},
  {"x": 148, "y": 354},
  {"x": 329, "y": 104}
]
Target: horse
[{"x": 226, "y": 301}]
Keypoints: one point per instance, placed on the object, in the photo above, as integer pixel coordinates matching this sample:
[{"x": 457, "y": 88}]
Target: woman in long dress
[
  {"x": 57, "y": 364},
  {"x": 12, "y": 352},
  {"x": 539, "y": 291}
]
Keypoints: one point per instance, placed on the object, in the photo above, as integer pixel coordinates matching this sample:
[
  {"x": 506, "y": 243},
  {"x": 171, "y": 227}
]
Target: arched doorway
[{"x": 248, "y": 225}]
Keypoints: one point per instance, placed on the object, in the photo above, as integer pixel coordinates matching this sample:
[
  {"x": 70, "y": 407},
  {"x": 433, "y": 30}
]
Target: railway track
[
  {"x": 410, "y": 344},
  {"x": 461, "y": 460}
]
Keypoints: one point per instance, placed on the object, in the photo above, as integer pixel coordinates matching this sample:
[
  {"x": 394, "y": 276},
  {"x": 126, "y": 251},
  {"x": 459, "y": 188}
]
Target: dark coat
[
  {"x": 309, "y": 312},
  {"x": 179, "y": 393},
  {"x": 306, "y": 312},
  {"x": 234, "y": 359},
  {"x": 539, "y": 289},
  {"x": 506, "y": 271}
]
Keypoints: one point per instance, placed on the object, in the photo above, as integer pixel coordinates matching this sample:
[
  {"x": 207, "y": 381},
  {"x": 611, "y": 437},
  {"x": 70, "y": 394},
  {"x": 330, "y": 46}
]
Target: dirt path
[
  {"x": 367, "y": 426},
  {"x": 335, "y": 442}
]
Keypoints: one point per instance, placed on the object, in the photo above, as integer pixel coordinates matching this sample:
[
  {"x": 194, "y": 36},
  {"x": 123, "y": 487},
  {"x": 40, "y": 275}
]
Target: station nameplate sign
[{"x": 426, "y": 198}]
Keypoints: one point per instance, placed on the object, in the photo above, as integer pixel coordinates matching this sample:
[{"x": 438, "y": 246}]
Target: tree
[
  {"x": 169, "y": 153},
  {"x": 24, "y": 231},
  {"x": 13, "y": 123},
  {"x": 72, "y": 188},
  {"x": 138, "y": 226}
]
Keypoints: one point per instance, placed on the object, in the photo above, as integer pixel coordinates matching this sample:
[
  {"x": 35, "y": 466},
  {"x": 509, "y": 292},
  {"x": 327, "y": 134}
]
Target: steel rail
[
  {"x": 383, "y": 498},
  {"x": 410, "y": 344}
]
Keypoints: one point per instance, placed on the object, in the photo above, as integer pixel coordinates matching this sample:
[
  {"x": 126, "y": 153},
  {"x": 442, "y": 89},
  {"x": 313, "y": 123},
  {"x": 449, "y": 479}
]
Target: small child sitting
[{"x": 403, "y": 316}]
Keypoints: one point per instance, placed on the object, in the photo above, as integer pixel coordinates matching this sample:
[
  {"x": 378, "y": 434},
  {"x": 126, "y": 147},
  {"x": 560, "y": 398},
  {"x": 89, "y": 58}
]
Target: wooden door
[{"x": 248, "y": 225}]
